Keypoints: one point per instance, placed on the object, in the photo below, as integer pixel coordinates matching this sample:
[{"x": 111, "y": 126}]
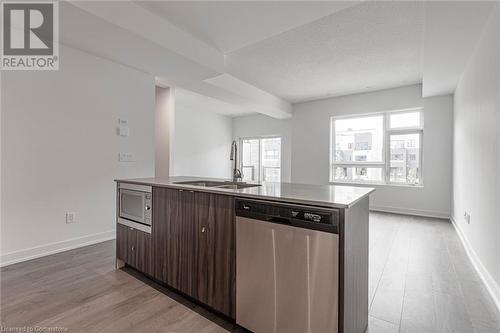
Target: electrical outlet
[{"x": 70, "y": 217}]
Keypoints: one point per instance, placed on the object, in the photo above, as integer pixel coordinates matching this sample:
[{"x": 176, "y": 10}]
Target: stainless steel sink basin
[
  {"x": 204, "y": 183},
  {"x": 237, "y": 186},
  {"x": 219, "y": 184}
]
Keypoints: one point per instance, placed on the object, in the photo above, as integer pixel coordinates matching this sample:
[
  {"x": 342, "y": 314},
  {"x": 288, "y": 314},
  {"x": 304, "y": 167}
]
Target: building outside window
[
  {"x": 383, "y": 148},
  {"x": 260, "y": 159}
]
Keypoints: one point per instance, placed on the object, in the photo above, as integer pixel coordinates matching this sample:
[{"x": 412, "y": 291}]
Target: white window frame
[
  {"x": 260, "y": 170},
  {"x": 386, "y": 148}
]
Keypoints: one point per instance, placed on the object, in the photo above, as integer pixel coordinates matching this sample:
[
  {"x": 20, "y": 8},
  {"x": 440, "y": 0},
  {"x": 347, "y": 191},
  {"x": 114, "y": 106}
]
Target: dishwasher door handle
[{"x": 277, "y": 219}]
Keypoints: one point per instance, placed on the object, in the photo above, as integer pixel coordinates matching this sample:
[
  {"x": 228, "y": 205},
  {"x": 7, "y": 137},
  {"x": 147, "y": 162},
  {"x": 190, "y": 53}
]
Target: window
[
  {"x": 261, "y": 159},
  {"x": 379, "y": 148},
  {"x": 406, "y": 147}
]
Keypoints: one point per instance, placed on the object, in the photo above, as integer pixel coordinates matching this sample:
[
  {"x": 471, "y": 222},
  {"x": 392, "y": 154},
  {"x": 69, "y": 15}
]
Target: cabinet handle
[
  {"x": 131, "y": 228},
  {"x": 203, "y": 229},
  {"x": 133, "y": 248}
]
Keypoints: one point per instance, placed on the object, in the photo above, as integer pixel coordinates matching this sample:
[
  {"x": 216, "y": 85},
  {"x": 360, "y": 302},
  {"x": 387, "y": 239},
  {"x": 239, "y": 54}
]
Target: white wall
[
  {"x": 261, "y": 125},
  {"x": 201, "y": 144},
  {"x": 476, "y": 158},
  {"x": 60, "y": 150},
  {"x": 164, "y": 129},
  {"x": 311, "y": 146}
]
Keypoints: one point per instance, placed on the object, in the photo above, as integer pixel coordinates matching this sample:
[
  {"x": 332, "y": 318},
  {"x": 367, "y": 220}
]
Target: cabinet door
[
  {"x": 160, "y": 231},
  {"x": 122, "y": 242},
  {"x": 134, "y": 248},
  {"x": 175, "y": 239},
  {"x": 131, "y": 247},
  {"x": 216, "y": 251},
  {"x": 186, "y": 243},
  {"x": 205, "y": 214},
  {"x": 141, "y": 253}
]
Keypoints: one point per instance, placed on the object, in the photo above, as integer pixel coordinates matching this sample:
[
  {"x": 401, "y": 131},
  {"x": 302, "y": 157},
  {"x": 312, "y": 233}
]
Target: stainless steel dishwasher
[{"x": 287, "y": 267}]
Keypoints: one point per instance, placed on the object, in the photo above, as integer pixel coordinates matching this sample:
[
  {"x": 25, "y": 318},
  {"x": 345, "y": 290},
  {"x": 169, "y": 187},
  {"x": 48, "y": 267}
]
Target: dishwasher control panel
[{"x": 316, "y": 218}]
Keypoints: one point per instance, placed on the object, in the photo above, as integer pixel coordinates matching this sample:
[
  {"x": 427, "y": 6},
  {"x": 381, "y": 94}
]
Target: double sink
[{"x": 219, "y": 184}]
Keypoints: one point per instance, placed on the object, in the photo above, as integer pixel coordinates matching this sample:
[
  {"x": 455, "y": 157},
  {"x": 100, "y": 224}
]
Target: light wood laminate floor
[{"x": 420, "y": 281}]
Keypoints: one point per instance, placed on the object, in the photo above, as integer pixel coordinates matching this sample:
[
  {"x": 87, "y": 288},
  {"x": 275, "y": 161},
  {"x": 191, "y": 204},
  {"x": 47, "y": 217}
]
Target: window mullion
[
  {"x": 260, "y": 161},
  {"x": 387, "y": 148},
  {"x": 359, "y": 165}
]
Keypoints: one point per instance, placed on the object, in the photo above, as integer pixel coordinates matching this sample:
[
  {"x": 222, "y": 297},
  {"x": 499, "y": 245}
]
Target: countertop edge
[{"x": 249, "y": 195}]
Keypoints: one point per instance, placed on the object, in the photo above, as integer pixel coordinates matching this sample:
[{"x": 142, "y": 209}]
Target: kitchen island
[{"x": 204, "y": 238}]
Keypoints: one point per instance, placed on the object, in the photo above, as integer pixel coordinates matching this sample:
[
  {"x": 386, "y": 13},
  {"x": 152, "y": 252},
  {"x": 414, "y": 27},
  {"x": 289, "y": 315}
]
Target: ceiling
[
  {"x": 186, "y": 99},
  {"x": 301, "y": 51},
  {"x": 371, "y": 46},
  {"x": 231, "y": 25},
  {"x": 263, "y": 56}
]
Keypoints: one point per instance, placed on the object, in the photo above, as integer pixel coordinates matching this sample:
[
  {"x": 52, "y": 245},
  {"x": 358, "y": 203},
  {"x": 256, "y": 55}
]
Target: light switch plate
[
  {"x": 70, "y": 217},
  {"x": 123, "y": 131}
]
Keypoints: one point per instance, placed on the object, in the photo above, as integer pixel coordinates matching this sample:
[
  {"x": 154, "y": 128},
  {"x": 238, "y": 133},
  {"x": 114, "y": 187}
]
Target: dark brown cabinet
[
  {"x": 163, "y": 211},
  {"x": 216, "y": 251},
  {"x": 174, "y": 239},
  {"x": 182, "y": 243},
  {"x": 134, "y": 248},
  {"x": 141, "y": 249},
  {"x": 193, "y": 245},
  {"x": 122, "y": 242}
]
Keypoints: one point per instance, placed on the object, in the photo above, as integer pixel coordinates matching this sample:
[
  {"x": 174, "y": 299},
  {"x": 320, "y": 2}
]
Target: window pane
[
  {"x": 261, "y": 159},
  {"x": 359, "y": 139},
  {"x": 249, "y": 173},
  {"x": 250, "y": 159},
  {"x": 271, "y": 174},
  {"x": 271, "y": 159},
  {"x": 405, "y": 159},
  {"x": 357, "y": 174},
  {"x": 404, "y": 120}
]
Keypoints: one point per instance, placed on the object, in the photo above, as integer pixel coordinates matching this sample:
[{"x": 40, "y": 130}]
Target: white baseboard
[
  {"x": 489, "y": 282},
  {"x": 56, "y": 247},
  {"x": 410, "y": 211}
]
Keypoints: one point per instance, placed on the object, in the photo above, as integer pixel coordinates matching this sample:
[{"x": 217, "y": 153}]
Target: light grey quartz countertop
[{"x": 335, "y": 196}]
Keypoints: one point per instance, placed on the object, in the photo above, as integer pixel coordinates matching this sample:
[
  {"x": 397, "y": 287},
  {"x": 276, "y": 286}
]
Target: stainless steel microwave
[{"x": 135, "y": 206}]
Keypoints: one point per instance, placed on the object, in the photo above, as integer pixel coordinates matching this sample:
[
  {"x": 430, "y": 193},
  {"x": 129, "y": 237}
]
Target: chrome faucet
[{"x": 234, "y": 157}]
